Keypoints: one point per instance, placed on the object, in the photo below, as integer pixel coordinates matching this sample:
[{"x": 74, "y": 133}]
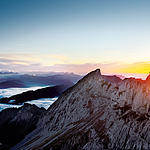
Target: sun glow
[{"x": 139, "y": 67}]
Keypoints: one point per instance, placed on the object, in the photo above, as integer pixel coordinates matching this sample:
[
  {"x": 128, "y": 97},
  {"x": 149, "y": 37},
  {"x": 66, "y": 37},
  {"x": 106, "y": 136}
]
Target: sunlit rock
[{"x": 98, "y": 112}]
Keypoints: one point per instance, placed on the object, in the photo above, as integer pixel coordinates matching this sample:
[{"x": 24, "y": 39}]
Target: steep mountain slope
[{"x": 96, "y": 113}]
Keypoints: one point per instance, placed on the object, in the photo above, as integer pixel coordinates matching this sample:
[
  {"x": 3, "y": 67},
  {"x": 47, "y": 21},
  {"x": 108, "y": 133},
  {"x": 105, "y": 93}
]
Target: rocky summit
[{"x": 99, "y": 112}]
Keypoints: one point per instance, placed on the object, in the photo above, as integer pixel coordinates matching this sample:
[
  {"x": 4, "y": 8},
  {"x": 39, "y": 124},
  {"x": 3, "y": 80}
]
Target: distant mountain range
[
  {"x": 7, "y": 72},
  {"x": 12, "y": 83},
  {"x": 26, "y": 80}
]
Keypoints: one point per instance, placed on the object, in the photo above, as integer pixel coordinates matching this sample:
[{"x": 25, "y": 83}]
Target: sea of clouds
[{"x": 42, "y": 102}]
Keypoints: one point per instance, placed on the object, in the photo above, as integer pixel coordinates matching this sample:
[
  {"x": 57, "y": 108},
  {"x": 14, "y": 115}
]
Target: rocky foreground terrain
[
  {"x": 99, "y": 112},
  {"x": 16, "y": 123}
]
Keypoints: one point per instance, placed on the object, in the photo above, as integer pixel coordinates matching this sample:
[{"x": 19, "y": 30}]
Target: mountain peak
[
  {"x": 93, "y": 75},
  {"x": 99, "y": 112},
  {"x": 96, "y": 72}
]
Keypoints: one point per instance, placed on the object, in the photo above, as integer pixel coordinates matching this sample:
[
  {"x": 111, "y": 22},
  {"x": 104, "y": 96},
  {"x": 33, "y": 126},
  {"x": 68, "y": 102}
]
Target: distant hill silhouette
[
  {"x": 25, "y": 80},
  {"x": 48, "y": 92},
  {"x": 12, "y": 84}
]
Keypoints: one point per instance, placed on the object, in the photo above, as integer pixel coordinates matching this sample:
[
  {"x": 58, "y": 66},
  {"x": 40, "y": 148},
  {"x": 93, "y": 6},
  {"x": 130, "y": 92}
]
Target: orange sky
[{"x": 62, "y": 63}]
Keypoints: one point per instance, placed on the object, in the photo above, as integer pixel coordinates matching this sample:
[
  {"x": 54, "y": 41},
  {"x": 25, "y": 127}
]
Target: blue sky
[{"x": 62, "y": 32}]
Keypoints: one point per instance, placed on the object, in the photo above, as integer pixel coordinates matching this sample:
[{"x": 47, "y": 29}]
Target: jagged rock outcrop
[
  {"x": 97, "y": 113},
  {"x": 16, "y": 123}
]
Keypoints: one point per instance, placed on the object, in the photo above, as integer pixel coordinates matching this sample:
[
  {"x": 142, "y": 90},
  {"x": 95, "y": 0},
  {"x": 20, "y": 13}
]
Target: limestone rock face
[{"x": 99, "y": 112}]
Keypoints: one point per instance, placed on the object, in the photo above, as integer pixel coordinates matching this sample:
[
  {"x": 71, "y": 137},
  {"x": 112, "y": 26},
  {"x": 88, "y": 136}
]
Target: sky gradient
[{"x": 75, "y": 35}]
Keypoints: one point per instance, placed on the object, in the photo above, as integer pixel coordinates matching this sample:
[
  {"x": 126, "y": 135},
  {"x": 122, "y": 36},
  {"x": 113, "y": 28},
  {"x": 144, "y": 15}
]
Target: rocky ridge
[
  {"x": 97, "y": 113},
  {"x": 16, "y": 123}
]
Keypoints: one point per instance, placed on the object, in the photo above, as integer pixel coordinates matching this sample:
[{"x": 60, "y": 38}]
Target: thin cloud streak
[
  {"x": 106, "y": 68},
  {"x": 61, "y": 63}
]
